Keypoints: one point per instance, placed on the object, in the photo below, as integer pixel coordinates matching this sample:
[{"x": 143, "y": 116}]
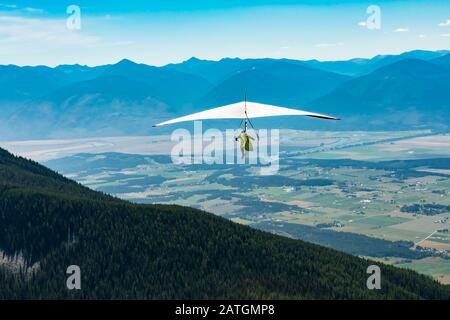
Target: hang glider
[{"x": 245, "y": 110}]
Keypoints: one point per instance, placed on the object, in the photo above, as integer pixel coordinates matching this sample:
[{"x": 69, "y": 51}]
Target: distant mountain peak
[
  {"x": 232, "y": 59},
  {"x": 193, "y": 59},
  {"x": 126, "y": 62},
  {"x": 411, "y": 65},
  {"x": 408, "y": 61},
  {"x": 443, "y": 61}
]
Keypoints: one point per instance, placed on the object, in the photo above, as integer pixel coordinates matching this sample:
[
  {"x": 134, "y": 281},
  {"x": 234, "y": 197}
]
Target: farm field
[
  {"x": 369, "y": 194},
  {"x": 438, "y": 268}
]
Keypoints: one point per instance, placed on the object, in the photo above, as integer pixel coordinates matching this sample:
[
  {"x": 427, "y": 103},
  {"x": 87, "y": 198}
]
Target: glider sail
[{"x": 245, "y": 110}]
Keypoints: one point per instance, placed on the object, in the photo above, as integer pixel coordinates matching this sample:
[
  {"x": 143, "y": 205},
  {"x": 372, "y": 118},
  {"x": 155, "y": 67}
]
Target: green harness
[{"x": 245, "y": 142}]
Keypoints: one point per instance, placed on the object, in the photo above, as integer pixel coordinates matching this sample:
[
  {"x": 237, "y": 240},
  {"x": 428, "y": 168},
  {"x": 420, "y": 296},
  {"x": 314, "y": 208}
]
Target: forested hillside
[{"x": 131, "y": 251}]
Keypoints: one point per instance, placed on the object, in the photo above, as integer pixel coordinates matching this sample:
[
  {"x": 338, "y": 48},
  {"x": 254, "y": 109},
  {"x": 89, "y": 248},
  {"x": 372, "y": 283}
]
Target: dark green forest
[{"x": 130, "y": 251}]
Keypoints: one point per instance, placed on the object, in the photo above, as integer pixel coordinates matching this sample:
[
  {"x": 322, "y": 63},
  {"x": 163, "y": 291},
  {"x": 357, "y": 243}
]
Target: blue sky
[{"x": 161, "y": 32}]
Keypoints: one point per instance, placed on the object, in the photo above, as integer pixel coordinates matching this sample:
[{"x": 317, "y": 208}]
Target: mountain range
[
  {"x": 138, "y": 251},
  {"x": 405, "y": 91}
]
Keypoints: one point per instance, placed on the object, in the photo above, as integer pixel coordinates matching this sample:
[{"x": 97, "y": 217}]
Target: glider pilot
[{"x": 246, "y": 144}]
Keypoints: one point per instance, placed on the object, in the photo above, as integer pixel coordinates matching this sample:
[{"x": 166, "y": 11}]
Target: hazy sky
[{"x": 161, "y": 32}]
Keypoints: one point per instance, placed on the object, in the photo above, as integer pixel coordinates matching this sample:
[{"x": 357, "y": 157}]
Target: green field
[
  {"x": 438, "y": 268},
  {"x": 349, "y": 182}
]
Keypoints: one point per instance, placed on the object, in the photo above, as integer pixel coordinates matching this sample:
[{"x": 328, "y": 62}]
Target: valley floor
[{"x": 383, "y": 195}]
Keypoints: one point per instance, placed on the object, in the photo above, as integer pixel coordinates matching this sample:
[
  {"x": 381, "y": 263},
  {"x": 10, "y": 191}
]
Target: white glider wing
[{"x": 242, "y": 110}]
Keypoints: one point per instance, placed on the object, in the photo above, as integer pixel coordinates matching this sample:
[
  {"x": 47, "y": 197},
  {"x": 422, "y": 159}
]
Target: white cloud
[
  {"x": 7, "y": 5},
  {"x": 445, "y": 35},
  {"x": 327, "y": 45},
  {"x": 401, "y": 30},
  {"x": 444, "y": 24},
  {"x": 362, "y": 24},
  {"x": 119, "y": 43},
  {"x": 18, "y": 32},
  {"x": 422, "y": 36},
  {"x": 33, "y": 10},
  {"x": 13, "y": 8}
]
